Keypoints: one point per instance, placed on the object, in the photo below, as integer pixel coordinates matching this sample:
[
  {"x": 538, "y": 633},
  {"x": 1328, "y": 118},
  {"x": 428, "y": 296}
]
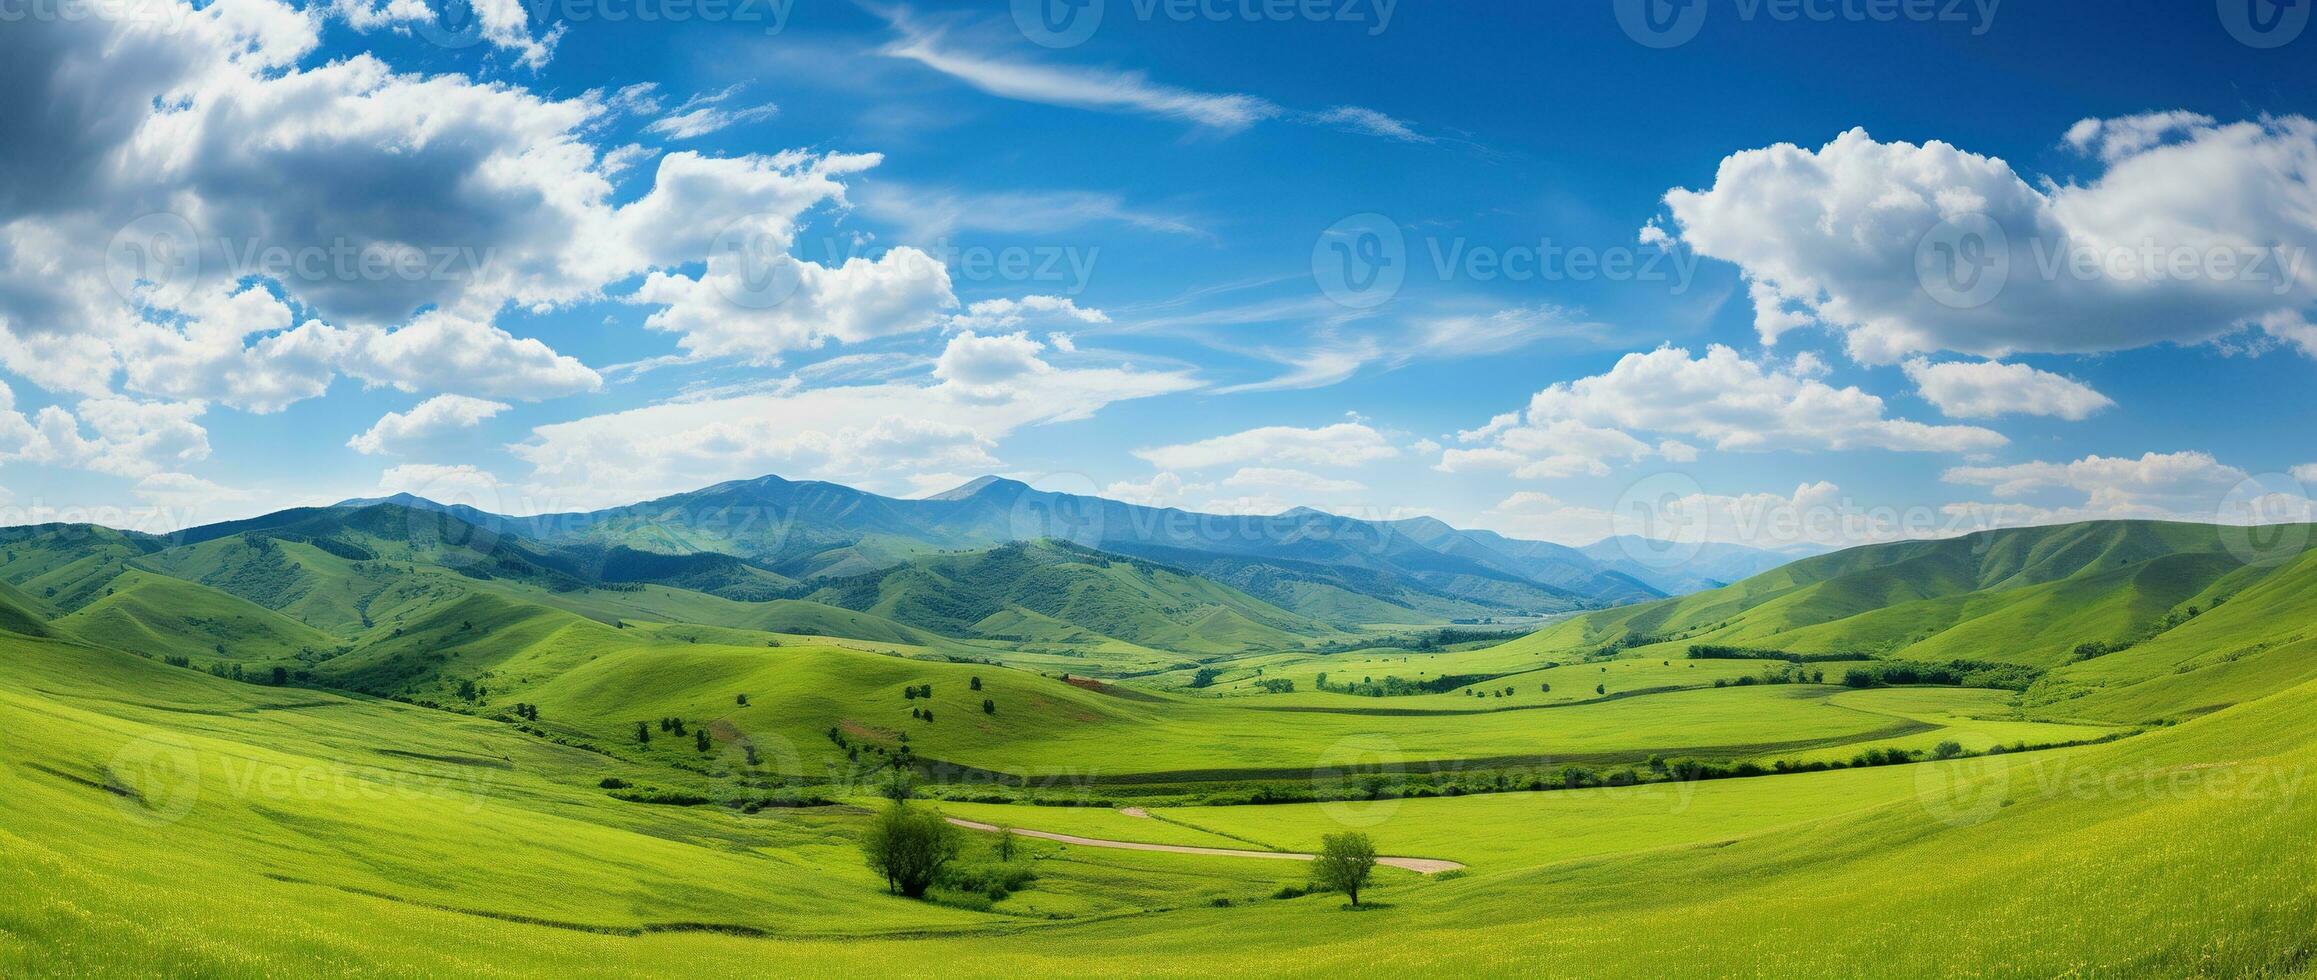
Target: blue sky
[{"x": 1629, "y": 286}]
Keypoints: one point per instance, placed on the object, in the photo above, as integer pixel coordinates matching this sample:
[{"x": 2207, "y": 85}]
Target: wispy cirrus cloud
[{"x": 1113, "y": 90}]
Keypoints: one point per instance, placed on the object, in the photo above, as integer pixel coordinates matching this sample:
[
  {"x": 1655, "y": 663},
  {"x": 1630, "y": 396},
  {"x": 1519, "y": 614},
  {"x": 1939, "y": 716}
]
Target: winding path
[{"x": 1422, "y": 866}]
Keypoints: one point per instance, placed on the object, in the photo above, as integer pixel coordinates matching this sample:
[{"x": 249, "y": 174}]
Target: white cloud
[
  {"x": 1161, "y": 490},
  {"x": 1580, "y": 427},
  {"x": 2154, "y": 485},
  {"x": 116, "y": 436},
  {"x": 1296, "y": 481},
  {"x": 1370, "y": 122},
  {"x": 705, "y": 114},
  {"x": 505, "y": 24},
  {"x": 1106, "y": 90},
  {"x": 1987, "y": 389},
  {"x": 1341, "y": 444},
  {"x": 721, "y": 313},
  {"x": 2193, "y": 232},
  {"x": 991, "y": 369},
  {"x": 929, "y": 213},
  {"x": 397, "y": 432},
  {"x": 2114, "y": 139},
  {"x": 449, "y": 484},
  {"x": 2180, "y": 486},
  {"x": 874, "y": 435},
  {"x": 1079, "y": 88},
  {"x": 444, "y": 352},
  {"x": 1006, "y": 314},
  {"x": 1543, "y": 449},
  {"x": 2306, "y": 472},
  {"x": 186, "y": 492}
]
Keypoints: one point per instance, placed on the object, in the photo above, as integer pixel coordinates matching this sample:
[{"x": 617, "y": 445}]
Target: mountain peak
[
  {"x": 405, "y": 499},
  {"x": 983, "y": 486}
]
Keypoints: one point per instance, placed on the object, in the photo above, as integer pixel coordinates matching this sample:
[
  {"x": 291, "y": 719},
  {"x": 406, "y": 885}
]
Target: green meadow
[{"x": 354, "y": 749}]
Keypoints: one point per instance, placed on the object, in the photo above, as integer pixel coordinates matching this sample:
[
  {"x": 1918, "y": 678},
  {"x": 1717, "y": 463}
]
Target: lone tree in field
[
  {"x": 1345, "y": 862},
  {"x": 909, "y": 846}
]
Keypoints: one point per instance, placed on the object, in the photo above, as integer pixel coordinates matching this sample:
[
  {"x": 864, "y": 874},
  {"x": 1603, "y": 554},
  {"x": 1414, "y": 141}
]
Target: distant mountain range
[{"x": 1332, "y": 569}]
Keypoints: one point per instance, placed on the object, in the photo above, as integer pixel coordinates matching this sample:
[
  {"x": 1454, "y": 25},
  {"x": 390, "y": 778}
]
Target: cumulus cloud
[
  {"x": 241, "y": 227},
  {"x": 1581, "y": 427},
  {"x": 397, "y": 432},
  {"x": 2195, "y": 230},
  {"x": 2153, "y": 485},
  {"x": 1341, "y": 444},
  {"x": 116, "y": 436},
  {"x": 1987, "y": 389},
  {"x": 1006, "y": 314}
]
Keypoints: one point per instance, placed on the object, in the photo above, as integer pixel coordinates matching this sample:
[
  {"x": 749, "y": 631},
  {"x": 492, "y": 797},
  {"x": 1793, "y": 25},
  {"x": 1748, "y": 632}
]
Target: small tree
[
  {"x": 1345, "y": 863},
  {"x": 989, "y": 707},
  {"x": 700, "y": 739},
  {"x": 909, "y": 846},
  {"x": 974, "y": 682},
  {"x": 643, "y": 734},
  {"x": 1005, "y": 843},
  {"x": 740, "y": 699}
]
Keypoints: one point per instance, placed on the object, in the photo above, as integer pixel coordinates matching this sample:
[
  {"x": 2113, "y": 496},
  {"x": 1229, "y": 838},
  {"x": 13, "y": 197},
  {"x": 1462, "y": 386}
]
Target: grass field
[{"x": 160, "y": 819}]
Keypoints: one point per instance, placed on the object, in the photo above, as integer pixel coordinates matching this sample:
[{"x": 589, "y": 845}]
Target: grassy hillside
[
  {"x": 2028, "y": 596},
  {"x": 1054, "y": 593},
  {"x": 372, "y": 822}
]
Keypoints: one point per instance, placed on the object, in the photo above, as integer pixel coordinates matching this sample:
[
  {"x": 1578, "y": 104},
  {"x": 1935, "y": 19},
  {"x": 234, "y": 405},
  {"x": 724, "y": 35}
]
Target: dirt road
[{"x": 1423, "y": 866}]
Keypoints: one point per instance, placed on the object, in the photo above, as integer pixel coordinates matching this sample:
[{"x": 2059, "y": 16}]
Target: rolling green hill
[{"x": 1049, "y": 592}]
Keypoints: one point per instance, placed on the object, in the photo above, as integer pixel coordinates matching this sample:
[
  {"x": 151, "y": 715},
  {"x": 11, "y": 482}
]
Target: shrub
[{"x": 910, "y": 847}]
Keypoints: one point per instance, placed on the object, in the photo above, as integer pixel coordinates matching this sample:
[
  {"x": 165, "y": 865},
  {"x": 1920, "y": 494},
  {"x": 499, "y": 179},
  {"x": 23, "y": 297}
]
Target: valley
[{"x": 499, "y": 752}]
